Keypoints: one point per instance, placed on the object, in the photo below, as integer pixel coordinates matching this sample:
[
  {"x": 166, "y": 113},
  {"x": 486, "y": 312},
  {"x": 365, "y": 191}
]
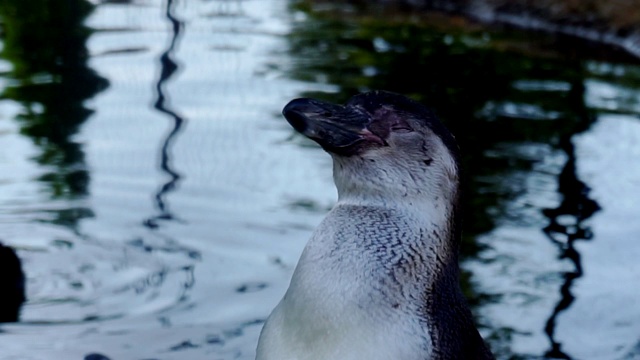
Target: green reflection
[
  {"x": 468, "y": 76},
  {"x": 511, "y": 98},
  {"x": 44, "y": 40}
]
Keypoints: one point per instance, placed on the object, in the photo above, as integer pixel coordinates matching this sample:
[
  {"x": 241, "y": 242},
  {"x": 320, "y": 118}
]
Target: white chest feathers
[
  {"x": 293, "y": 333},
  {"x": 346, "y": 301}
]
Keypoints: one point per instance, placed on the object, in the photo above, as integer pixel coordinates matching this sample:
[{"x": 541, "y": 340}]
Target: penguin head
[{"x": 382, "y": 144}]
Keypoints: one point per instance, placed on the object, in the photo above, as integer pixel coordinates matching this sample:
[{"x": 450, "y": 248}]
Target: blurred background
[{"x": 158, "y": 202}]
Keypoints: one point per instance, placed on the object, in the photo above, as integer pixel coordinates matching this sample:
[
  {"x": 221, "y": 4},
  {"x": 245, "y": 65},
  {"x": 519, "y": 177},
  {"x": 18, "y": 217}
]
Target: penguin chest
[
  {"x": 310, "y": 332},
  {"x": 345, "y": 301}
]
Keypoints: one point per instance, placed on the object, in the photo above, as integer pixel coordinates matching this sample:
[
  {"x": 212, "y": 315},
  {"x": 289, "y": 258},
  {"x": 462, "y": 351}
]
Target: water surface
[{"x": 159, "y": 202}]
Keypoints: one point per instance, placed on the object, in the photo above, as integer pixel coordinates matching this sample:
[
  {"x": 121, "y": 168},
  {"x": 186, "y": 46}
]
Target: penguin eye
[
  {"x": 401, "y": 128},
  {"x": 399, "y": 124}
]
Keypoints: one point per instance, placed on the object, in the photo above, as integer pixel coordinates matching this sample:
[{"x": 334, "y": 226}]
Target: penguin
[{"x": 379, "y": 278}]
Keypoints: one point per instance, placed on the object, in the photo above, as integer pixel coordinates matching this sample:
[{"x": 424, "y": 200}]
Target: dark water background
[{"x": 159, "y": 202}]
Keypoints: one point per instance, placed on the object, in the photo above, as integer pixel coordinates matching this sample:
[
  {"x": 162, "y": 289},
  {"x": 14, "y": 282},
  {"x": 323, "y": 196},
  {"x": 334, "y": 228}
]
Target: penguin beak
[{"x": 338, "y": 129}]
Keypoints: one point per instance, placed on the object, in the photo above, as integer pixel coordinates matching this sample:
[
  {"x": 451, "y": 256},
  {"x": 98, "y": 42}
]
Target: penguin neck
[
  {"x": 438, "y": 210},
  {"x": 361, "y": 183},
  {"x": 431, "y": 210}
]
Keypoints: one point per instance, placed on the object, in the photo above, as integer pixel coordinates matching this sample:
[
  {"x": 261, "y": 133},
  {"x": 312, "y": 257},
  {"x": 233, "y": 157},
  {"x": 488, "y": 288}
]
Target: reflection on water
[
  {"x": 567, "y": 221},
  {"x": 470, "y": 84},
  {"x": 465, "y": 79},
  {"x": 196, "y": 278},
  {"x": 51, "y": 80},
  {"x": 167, "y": 69}
]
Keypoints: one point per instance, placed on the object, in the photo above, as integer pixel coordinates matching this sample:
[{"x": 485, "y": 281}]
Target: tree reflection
[
  {"x": 168, "y": 68},
  {"x": 44, "y": 40},
  {"x": 567, "y": 221}
]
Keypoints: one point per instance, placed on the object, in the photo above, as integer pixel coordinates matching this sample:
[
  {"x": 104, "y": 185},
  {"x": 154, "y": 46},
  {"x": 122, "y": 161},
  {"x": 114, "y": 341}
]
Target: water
[{"x": 159, "y": 202}]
